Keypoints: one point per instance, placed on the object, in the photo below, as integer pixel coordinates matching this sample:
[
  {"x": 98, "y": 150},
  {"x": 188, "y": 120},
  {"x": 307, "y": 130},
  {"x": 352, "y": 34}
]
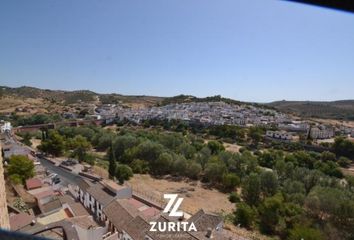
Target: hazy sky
[{"x": 248, "y": 50}]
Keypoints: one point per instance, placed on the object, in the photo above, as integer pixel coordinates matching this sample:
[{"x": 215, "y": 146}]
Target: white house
[
  {"x": 5, "y": 127},
  {"x": 96, "y": 195}
]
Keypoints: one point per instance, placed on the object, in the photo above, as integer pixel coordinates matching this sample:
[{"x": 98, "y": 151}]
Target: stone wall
[{"x": 4, "y": 217}]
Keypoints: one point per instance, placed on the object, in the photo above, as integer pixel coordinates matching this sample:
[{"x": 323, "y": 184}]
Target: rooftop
[
  {"x": 33, "y": 183},
  {"x": 18, "y": 221}
]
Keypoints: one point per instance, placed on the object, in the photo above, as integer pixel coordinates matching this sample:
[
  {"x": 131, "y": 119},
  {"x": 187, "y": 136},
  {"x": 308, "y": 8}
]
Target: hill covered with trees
[{"x": 341, "y": 110}]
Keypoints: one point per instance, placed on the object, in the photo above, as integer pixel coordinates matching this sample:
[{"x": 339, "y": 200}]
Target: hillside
[
  {"x": 29, "y": 100},
  {"x": 341, "y": 110},
  {"x": 189, "y": 98},
  {"x": 217, "y": 98}
]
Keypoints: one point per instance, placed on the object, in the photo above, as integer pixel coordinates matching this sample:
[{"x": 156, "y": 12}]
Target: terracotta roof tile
[
  {"x": 20, "y": 220},
  {"x": 33, "y": 183}
]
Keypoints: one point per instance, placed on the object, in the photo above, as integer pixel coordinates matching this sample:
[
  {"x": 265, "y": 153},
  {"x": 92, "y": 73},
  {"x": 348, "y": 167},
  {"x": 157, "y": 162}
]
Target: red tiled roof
[
  {"x": 44, "y": 194},
  {"x": 33, "y": 183},
  {"x": 20, "y": 220},
  {"x": 150, "y": 212},
  {"x": 135, "y": 203}
]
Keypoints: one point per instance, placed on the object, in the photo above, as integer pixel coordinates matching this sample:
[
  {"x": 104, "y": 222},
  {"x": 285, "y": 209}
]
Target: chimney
[{"x": 209, "y": 233}]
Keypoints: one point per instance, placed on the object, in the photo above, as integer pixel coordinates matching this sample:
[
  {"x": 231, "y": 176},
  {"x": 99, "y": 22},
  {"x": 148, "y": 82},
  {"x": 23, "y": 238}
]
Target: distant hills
[
  {"x": 341, "y": 110},
  {"x": 45, "y": 100},
  {"x": 73, "y": 97}
]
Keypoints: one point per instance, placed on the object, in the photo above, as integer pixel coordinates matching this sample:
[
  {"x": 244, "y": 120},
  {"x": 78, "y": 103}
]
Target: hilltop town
[{"x": 99, "y": 170}]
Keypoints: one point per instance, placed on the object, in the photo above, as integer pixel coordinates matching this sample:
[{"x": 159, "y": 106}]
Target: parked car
[{"x": 56, "y": 180}]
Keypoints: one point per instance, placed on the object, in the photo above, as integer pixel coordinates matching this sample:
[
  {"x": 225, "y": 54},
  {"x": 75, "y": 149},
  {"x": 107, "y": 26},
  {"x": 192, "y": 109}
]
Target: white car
[{"x": 52, "y": 175}]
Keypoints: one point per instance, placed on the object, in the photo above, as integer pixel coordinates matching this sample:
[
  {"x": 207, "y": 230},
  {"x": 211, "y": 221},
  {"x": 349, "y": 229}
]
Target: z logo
[{"x": 174, "y": 212}]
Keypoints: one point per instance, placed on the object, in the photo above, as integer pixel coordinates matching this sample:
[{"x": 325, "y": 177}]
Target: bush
[
  {"x": 123, "y": 173},
  {"x": 139, "y": 166},
  {"x": 193, "y": 170},
  {"x": 344, "y": 162},
  {"x": 300, "y": 232},
  {"x": 15, "y": 179},
  {"x": 234, "y": 197},
  {"x": 244, "y": 215},
  {"x": 230, "y": 181}
]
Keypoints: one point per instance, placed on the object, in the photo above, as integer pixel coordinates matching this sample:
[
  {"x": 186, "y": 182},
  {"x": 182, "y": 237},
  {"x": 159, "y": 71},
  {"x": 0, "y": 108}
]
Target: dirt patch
[
  {"x": 232, "y": 147},
  {"x": 334, "y": 122},
  {"x": 35, "y": 143},
  {"x": 245, "y": 233},
  {"x": 100, "y": 171},
  {"x": 348, "y": 171},
  {"x": 195, "y": 195}
]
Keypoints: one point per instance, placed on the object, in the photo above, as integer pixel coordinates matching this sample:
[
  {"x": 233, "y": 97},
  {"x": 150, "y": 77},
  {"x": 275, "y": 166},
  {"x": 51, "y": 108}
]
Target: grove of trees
[{"x": 290, "y": 194}]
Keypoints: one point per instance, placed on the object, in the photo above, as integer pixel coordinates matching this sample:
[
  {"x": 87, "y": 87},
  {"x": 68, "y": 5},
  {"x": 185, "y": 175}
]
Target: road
[{"x": 66, "y": 176}]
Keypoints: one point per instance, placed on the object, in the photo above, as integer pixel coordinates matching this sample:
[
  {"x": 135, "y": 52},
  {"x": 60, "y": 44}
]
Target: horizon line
[{"x": 185, "y": 94}]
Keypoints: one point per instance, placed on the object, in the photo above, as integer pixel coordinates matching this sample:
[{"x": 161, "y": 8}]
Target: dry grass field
[
  {"x": 232, "y": 147},
  {"x": 195, "y": 195}
]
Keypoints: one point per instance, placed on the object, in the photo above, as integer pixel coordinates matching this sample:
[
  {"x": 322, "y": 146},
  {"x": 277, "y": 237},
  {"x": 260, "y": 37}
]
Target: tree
[
  {"x": 104, "y": 141},
  {"x": 269, "y": 158},
  {"x": 333, "y": 204},
  {"x": 112, "y": 163},
  {"x": 162, "y": 165},
  {"x": 306, "y": 233},
  {"x": 26, "y": 139},
  {"x": 214, "y": 170},
  {"x": 328, "y": 156},
  {"x": 343, "y": 147},
  {"x": 187, "y": 150},
  {"x": 230, "y": 181},
  {"x": 149, "y": 151},
  {"x": 294, "y": 191},
  {"x": 203, "y": 156},
  {"x": 179, "y": 165},
  {"x": 121, "y": 144},
  {"x": 269, "y": 183},
  {"x": 80, "y": 146},
  {"x": 215, "y": 147},
  {"x": 255, "y": 133},
  {"x": 139, "y": 166},
  {"x": 123, "y": 173},
  {"x": 193, "y": 170},
  {"x": 20, "y": 168},
  {"x": 171, "y": 140},
  {"x": 304, "y": 159},
  {"x": 251, "y": 189},
  {"x": 269, "y": 213},
  {"x": 251, "y": 162},
  {"x": 54, "y": 144},
  {"x": 244, "y": 215}
]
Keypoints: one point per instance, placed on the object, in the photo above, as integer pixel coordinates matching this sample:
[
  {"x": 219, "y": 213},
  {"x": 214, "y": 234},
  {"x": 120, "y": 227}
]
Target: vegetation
[
  {"x": 344, "y": 148},
  {"x": 284, "y": 194},
  {"x": 123, "y": 172},
  {"x": 26, "y": 139},
  {"x": 34, "y": 119},
  {"x": 20, "y": 169},
  {"x": 342, "y": 110}
]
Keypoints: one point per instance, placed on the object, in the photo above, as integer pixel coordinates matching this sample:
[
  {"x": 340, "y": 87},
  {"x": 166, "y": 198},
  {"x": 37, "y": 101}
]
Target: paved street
[{"x": 66, "y": 176}]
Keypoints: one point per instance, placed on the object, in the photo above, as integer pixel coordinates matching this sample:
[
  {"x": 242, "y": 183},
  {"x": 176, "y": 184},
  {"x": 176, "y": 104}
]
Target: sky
[{"x": 249, "y": 50}]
